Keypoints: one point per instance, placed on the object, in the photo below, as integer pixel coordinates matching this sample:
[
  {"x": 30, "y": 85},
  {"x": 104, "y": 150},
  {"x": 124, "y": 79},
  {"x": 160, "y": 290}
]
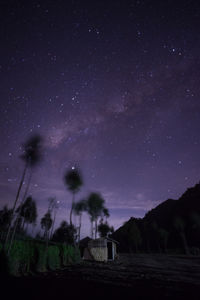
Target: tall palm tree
[
  {"x": 28, "y": 213},
  {"x": 106, "y": 214},
  {"x": 95, "y": 206},
  {"x": 31, "y": 156},
  {"x": 79, "y": 208},
  {"x": 73, "y": 181}
]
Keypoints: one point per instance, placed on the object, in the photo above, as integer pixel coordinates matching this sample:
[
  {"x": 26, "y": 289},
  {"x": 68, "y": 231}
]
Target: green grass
[{"x": 32, "y": 256}]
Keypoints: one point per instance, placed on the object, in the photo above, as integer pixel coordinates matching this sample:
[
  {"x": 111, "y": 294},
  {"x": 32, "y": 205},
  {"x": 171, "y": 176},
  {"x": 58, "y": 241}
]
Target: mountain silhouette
[{"x": 173, "y": 226}]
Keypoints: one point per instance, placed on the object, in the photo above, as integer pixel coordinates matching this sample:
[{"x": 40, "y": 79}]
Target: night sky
[{"x": 114, "y": 89}]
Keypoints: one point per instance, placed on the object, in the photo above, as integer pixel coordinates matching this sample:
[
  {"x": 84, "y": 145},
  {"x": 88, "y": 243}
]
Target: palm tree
[
  {"x": 79, "y": 208},
  {"x": 18, "y": 222},
  {"x": 27, "y": 213},
  {"x": 95, "y": 206},
  {"x": 105, "y": 213},
  {"x": 31, "y": 156},
  {"x": 73, "y": 181}
]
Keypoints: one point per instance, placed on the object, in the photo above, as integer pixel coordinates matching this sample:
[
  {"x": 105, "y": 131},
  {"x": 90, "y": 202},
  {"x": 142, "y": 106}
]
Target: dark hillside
[{"x": 173, "y": 225}]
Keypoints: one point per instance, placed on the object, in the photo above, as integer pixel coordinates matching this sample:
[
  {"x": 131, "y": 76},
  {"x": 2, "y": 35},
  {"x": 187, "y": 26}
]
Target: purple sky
[{"x": 113, "y": 86}]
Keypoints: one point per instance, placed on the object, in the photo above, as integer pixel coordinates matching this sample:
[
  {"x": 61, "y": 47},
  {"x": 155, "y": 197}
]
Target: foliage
[
  {"x": 95, "y": 209},
  {"x": 31, "y": 155},
  {"x": 65, "y": 233},
  {"x": 32, "y": 150},
  {"x": 28, "y": 211},
  {"x": 46, "y": 223},
  {"x": 5, "y": 218},
  {"x": 69, "y": 254},
  {"x": 20, "y": 258},
  {"x": 78, "y": 208},
  {"x": 104, "y": 229},
  {"x": 30, "y": 256},
  {"x": 73, "y": 180},
  {"x": 53, "y": 257}
]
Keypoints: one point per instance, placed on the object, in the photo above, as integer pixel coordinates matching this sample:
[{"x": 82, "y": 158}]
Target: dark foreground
[{"x": 131, "y": 276}]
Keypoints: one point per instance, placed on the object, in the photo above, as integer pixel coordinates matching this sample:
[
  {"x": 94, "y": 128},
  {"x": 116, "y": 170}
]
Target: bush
[
  {"x": 69, "y": 254},
  {"x": 27, "y": 256},
  {"x": 53, "y": 257},
  {"x": 20, "y": 258}
]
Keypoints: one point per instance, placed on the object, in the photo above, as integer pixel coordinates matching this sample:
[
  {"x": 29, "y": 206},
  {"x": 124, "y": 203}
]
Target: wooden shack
[{"x": 101, "y": 249}]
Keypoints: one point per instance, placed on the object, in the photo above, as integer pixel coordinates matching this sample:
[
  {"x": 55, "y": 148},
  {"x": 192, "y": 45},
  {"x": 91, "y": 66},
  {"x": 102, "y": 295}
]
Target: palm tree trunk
[
  {"x": 27, "y": 188},
  {"x": 15, "y": 203},
  {"x": 53, "y": 224},
  {"x": 18, "y": 216},
  {"x": 79, "y": 230},
  {"x": 70, "y": 216}
]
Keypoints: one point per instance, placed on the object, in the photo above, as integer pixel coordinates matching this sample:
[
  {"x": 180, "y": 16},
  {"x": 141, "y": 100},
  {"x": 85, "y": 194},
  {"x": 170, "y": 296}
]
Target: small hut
[{"x": 102, "y": 249}]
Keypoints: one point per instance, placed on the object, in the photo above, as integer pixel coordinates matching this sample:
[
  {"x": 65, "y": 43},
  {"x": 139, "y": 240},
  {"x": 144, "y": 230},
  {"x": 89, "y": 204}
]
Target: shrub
[
  {"x": 40, "y": 258},
  {"x": 53, "y": 257},
  {"x": 27, "y": 256},
  {"x": 69, "y": 254}
]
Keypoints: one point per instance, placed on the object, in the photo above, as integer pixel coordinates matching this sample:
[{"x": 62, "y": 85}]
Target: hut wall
[{"x": 99, "y": 254}]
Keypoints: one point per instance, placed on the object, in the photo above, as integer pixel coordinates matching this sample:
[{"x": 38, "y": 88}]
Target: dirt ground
[{"x": 136, "y": 276}]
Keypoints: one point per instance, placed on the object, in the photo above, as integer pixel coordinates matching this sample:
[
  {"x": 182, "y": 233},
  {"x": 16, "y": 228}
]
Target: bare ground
[{"x": 135, "y": 276}]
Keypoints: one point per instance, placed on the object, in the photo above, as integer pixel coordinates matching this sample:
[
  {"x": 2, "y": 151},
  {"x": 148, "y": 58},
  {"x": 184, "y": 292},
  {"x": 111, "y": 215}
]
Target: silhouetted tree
[
  {"x": 155, "y": 235},
  {"x": 134, "y": 237},
  {"x": 31, "y": 156},
  {"x": 163, "y": 235},
  {"x": 29, "y": 211},
  {"x": 95, "y": 206},
  {"x": 179, "y": 225},
  {"x": 146, "y": 236},
  {"x": 105, "y": 214},
  {"x": 73, "y": 181},
  {"x": 65, "y": 233},
  {"x": 104, "y": 229},
  {"x": 79, "y": 208},
  {"x": 5, "y": 219}
]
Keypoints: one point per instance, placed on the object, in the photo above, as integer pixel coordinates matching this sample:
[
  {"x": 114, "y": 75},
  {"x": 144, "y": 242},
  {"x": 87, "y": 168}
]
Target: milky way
[{"x": 113, "y": 87}]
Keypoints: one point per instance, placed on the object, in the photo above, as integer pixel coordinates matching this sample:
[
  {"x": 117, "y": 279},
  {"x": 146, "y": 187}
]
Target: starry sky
[{"x": 114, "y": 89}]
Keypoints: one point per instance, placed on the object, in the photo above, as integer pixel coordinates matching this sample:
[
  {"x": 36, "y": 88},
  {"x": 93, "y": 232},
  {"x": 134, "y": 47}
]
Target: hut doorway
[{"x": 110, "y": 250}]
